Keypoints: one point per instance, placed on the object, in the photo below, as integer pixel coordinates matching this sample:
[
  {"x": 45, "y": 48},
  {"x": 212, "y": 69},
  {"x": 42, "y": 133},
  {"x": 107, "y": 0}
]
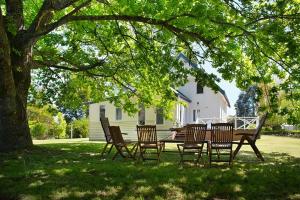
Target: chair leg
[
  {"x": 181, "y": 155},
  {"x": 103, "y": 151},
  {"x": 200, "y": 153},
  {"x": 256, "y": 151},
  {"x": 112, "y": 145},
  {"x": 210, "y": 152},
  {"x": 136, "y": 149},
  {"x": 238, "y": 147},
  {"x": 218, "y": 152},
  {"x": 158, "y": 154},
  {"x": 230, "y": 157},
  {"x": 142, "y": 153},
  {"x": 114, "y": 157}
]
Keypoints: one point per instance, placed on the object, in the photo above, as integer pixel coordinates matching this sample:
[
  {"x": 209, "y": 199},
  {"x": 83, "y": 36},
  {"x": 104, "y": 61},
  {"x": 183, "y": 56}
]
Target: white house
[{"x": 202, "y": 105}]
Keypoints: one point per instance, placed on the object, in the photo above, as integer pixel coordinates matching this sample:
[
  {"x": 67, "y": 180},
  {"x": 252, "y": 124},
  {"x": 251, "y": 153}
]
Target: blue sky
[{"x": 231, "y": 90}]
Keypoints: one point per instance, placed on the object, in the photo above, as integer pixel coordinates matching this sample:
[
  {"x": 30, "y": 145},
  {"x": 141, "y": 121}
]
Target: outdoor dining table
[{"x": 177, "y": 136}]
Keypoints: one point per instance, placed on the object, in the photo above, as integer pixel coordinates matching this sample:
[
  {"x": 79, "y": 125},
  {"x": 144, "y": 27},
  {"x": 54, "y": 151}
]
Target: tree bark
[{"x": 14, "y": 85}]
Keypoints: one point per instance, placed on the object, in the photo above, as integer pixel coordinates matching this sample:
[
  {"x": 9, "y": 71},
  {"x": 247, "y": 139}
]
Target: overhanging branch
[{"x": 164, "y": 23}]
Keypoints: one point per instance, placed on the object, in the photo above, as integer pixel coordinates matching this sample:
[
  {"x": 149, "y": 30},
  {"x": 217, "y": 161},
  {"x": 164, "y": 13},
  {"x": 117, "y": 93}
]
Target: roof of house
[
  {"x": 194, "y": 65},
  {"x": 181, "y": 95}
]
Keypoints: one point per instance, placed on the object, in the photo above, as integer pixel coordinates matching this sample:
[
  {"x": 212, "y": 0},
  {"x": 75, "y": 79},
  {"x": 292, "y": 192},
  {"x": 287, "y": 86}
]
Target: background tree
[
  {"x": 133, "y": 45},
  {"x": 246, "y": 105}
]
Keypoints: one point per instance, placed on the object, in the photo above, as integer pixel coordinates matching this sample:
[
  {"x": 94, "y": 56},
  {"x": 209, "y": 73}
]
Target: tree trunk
[
  {"x": 14, "y": 129},
  {"x": 14, "y": 85}
]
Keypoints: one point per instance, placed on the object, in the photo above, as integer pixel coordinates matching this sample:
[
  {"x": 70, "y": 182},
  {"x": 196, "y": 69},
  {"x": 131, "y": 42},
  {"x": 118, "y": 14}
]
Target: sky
[{"x": 230, "y": 88}]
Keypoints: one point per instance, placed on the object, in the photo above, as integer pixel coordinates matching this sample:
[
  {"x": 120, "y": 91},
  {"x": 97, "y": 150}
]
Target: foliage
[
  {"x": 39, "y": 130},
  {"x": 59, "y": 128},
  {"x": 79, "y": 128},
  {"x": 289, "y": 133},
  {"x": 246, "y": 105},
  {"x": 119, "y": 44},
  {"x": 73, "y": 170},
  {"x": 46, "y": 122}
]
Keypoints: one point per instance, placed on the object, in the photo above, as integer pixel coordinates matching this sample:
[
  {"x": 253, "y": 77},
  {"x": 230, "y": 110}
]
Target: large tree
[
  {"x": 246, "y": 104},
  {"x": 133, "y": 45}
]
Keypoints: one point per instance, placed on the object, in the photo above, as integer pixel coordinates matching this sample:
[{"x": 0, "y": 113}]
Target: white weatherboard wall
[
  {"x": 127, "y": 124},
  {"x": 210, "y": 104}
]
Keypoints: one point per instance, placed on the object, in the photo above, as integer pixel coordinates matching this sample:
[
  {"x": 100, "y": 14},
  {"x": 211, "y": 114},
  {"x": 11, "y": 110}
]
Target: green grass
[{"x": 71, "y": 169}]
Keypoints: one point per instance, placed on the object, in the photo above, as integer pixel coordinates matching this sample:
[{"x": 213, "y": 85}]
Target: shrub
[
  {"x": 80, "y": 128},
  {"x": 58, "y": 129},
  {"x": 39, "y": 130},
  {"x": 44, "y": 124}
]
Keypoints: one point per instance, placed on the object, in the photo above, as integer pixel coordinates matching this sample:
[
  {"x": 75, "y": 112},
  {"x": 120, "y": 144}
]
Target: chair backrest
[
  {"x": 260, "y": 125},
  {"x": 116, "y": 135},
  {"x": 222, "y": 132},
  {"x": 195, "y": 133},
  {"x": 105, "y": 124},
  {"x": 146, "y": 134}
]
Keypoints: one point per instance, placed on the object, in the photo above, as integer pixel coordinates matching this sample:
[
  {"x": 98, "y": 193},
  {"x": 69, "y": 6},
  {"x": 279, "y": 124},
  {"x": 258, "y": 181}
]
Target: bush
[
  {"x": 80, "y": 128},
  {"x": 45, "y": 124},
  {"x": 58, "y": 129},
  {"x": 293, "y": 133},
  {"x": 39, "y": 130}
]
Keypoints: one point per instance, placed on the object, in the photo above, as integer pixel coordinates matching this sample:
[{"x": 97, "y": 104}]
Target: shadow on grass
[{"x": 75, "y": 171}]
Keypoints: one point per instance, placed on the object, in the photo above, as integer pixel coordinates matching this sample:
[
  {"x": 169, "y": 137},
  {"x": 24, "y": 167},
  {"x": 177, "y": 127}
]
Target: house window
[
  {"x": 142, "y": 116},
  {"x": 118, "y": 114},
  {"x": 199, "y": 89},
  {"x": 159, "y": 116},
  {"x": 198, "y": 113},
  {"x": 102, "y": 111},
  {"x": 194, "y": 115}
]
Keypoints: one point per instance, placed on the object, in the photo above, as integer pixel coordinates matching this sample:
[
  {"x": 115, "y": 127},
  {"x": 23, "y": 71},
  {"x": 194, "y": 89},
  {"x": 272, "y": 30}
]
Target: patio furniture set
[{"x": 190, "y": 140}]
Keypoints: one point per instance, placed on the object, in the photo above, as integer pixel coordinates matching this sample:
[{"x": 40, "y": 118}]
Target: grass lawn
[{"x": 71, "y": 169}]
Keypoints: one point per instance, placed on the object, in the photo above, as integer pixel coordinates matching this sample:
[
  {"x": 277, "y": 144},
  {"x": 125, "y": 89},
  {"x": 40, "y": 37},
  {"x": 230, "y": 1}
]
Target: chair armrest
[{"x": 124, "y": 133}]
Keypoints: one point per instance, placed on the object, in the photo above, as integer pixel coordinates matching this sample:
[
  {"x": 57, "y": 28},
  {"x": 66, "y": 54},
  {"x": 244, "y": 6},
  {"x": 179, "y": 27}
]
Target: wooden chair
[
  {"x": 105, "y": 126},
  {"x": 221, "y": 140},
  {"x": 120, "y": 144},
  {"x": 194, "y": 139},
  {"x": 250, "y": 139},
  {"x": 147, "y": 140}
]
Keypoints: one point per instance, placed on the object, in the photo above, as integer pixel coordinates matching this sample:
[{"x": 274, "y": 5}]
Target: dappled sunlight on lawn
[{"x": 75, "y": 171}]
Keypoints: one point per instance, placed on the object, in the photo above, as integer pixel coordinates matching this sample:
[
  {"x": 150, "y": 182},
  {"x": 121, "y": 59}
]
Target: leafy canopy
[{"x": 127, "y": 49}]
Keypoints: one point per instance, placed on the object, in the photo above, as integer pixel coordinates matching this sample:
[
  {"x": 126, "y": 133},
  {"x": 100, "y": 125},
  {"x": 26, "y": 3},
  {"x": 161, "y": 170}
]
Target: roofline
[
  {"x": 181, "y": 55},
  {"x": 225, "y": 96},
  {"x": 194, "y": 65},
  {"x": 181, "y": 95}
]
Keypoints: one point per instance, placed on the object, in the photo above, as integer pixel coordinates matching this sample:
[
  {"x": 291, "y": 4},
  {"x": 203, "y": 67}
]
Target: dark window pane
[
  {"x": 118, "y": 114},
  {"x": 142, "y": 116},
  {"x": 194, "y": 115},
  {"x": 199, "y": 89},
  {"x": 159, "y": 116},
  {"x": 102, "y": 111}
]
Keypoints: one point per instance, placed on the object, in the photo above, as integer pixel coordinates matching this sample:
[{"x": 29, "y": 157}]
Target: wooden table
[{"x": 178, "y": 137}]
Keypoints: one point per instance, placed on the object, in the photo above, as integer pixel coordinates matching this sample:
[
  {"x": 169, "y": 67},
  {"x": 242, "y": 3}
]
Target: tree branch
[
  {"x": 70, "y": 18},
  {"x": 46, "y": 12},
  {"x": 295, "y": 16},
  {"x": 39, "y": 64}
]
